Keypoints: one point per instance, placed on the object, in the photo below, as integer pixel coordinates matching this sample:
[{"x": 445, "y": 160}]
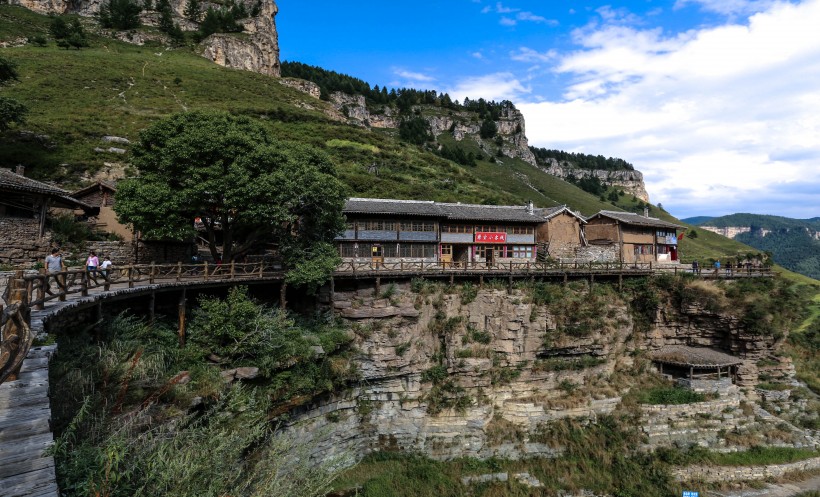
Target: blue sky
[{"x": 717, "y": 102}]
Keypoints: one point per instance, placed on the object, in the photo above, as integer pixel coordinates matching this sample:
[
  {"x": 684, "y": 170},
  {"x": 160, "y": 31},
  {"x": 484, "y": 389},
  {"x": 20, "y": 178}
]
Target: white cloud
[
  {"x": 477, "y": 55},
  {"x": 496, "y": 86},
  {"x": 506, "y": 21},
  {"x": 729, "y": 7},
  {"x": 519, "y": 15},
  {"x": 525, "y": 54},
  {"x": 413, "y": 76},
  {"x": 719, "y": 119},
  {"x": 529, "y": 16}
]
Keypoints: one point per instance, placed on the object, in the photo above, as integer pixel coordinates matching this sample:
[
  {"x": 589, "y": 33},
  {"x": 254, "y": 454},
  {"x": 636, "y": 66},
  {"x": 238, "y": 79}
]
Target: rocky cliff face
[
  {"x": 466, "y": 372},
  {"x": 255, "y": 49},
  {"x": 259, "y": 52},
  {"x": 630, "y": 181}
]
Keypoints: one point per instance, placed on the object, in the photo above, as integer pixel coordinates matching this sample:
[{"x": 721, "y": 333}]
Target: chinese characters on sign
[{"x": 490, "y": 237}]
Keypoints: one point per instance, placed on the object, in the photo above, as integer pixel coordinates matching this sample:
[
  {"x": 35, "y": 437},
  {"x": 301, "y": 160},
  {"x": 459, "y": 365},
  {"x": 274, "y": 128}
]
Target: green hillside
[
  {"x": 76, "y": 97},
  {"x": 792, "y": 242}
]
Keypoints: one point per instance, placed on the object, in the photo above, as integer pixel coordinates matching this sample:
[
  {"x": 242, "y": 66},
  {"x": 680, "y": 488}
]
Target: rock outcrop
[
  {"x": 454, "y": 375},
  {"x": 255, "y": 49},
  {"x": 630, "y": 181}
]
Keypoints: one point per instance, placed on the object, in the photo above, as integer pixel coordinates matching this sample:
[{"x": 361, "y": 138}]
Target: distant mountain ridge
[{"x": 794, "y": 243}]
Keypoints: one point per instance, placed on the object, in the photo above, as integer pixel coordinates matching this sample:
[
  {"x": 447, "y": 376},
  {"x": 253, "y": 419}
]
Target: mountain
[
  {"x": 794, "y": 243},
  {"x": 697, "y": 220},
  {"x": 80, "y": 100}
]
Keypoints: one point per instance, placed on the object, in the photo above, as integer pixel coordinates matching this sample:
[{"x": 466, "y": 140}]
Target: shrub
[
  {"x": 670, "y": 395},
  {"x": 120, "y": 14}
]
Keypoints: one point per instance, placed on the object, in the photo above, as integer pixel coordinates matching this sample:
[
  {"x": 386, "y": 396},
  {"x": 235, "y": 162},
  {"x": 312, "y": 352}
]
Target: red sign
[{"x": 491, "y": 237}]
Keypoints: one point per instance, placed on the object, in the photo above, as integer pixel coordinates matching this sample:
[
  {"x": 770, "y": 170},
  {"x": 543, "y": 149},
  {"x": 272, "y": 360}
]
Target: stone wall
[
  {"x": 743, "y": 473},
  {"x": 20, "y": 242},
  {"x": 596, "y": 253}
]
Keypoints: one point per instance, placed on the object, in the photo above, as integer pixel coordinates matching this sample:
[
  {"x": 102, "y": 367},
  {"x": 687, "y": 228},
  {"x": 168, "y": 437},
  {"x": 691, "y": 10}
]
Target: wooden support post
[
  {"x": 233, "y": 269},
  {"x": 378, "y": 286},
  {"x": 179, "y": 270},
  {"x": 41, "y": 289},
  {"x": 16, "y": 338},
  {"x": 107, "y": 279},
  {"x": 98, "y": 322},
  {"x": 130, "y": 271},
  {"x": 152, "y": 306},
  {"x": 691, "y": 373},
  {"x": 62, "y": 285},
  {"x": 206, "y": 269},
  {"x": 181, "y": 310},
  {"x": 451, "y": 279},
  {"x": 332, "y": 289},
  {"x": 481, "y": 281},
  {"x": 509, "y": 283},
  {"x": 84, "y": 283},
  {"x": 152, "y": 274},
  {"x": 565, "y": 277},
  {"x": 620, "y": 282},
  {"x": 591, "y": 280},
  {"x": 282, "y": 296}
]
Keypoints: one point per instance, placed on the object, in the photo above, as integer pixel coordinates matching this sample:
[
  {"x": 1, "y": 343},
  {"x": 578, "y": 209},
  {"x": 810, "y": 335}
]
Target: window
[
  {"x": 417, "y": 250},
  {"x": 520, "y": 251},
  {"x": 350, "y": 226},
  {"x": 665, "y": 233},
  {"x": 377, "y": 225},
  {"x": 520, "y": 230},
  {"x": 446, "y": 250},
  {"x": 390, "y": 250},
  {"x": 487, "y": 229},
  {"x": 456, "y": 228},
  {"x": 418, "y": 226},
  {"x": 347, "y": 249},
  {"x": 663, "y": 249},
  {"x": 644, "y": 249}
]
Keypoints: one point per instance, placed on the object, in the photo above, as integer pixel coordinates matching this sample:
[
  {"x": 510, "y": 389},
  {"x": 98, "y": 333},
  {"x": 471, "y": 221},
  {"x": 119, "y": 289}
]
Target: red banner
[{"x": 490, "y": 237}]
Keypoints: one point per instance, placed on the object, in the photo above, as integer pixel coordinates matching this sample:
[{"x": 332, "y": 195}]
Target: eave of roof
[
  {"x": 99, "y": 185},
  {"x": 636, "y": 219},
  {"x": 696, "y": 357},
  {"x": 11, "y": 181}
]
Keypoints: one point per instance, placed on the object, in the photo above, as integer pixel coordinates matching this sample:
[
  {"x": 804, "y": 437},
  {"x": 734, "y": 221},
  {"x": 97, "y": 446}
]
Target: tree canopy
[
  {"x": 247, "y": 188},
  {"x": 11, "y": 111}
]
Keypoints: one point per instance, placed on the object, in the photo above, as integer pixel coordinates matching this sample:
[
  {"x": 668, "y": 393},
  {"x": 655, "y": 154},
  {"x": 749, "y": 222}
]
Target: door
[
  {"x": 376, "y": 255},
  {"x": 446, "y": 255}
]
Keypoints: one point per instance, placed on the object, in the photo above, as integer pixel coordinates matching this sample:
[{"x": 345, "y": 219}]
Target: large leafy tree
[
  {"x": 229, "y": 172},
  {"x": 11, "y": 111}
]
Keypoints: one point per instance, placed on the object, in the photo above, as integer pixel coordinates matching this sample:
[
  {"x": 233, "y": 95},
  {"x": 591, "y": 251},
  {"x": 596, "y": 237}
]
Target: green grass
[
  {"x": 670, "y": 395},
  {"x": 755, "y": 456}
]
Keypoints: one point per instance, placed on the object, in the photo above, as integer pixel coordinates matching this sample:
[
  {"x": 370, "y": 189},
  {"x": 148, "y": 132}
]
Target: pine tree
[{"x": 193, "y": 10}]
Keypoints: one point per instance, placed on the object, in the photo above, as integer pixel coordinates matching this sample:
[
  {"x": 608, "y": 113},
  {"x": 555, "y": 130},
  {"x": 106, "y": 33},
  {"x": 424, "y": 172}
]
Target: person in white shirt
[{"x": 105, "y": 265}]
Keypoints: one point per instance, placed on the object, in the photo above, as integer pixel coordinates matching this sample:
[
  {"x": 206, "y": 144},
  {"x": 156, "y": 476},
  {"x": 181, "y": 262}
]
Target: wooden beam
[{"x": 181, "y": 310}]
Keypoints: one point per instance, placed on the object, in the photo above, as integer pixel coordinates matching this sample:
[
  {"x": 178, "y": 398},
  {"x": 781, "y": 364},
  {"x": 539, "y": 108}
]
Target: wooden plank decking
[{"x": 25, "y": 430}]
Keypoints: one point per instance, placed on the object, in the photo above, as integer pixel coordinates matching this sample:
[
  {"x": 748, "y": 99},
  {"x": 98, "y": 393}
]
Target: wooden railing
[{"x": 44, "y": 287}]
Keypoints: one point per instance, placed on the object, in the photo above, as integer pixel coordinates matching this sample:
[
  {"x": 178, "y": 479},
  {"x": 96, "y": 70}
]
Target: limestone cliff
[
  {"x": 255, "y": 49},
  {"x": 458, "y": 371},
  {"x": 630, "y": 181}
]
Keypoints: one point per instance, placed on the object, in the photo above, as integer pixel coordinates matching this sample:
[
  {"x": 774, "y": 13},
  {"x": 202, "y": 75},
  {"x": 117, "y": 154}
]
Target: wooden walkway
[{"x": 25, "y": 430}]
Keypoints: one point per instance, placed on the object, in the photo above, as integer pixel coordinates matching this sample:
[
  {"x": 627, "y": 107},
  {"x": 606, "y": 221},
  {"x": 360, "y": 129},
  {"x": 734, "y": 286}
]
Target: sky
[{"x": 717, "y": 102}]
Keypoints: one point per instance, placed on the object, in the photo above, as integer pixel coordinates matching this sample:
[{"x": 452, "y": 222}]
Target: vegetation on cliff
[{"x": 139, "y": 415}]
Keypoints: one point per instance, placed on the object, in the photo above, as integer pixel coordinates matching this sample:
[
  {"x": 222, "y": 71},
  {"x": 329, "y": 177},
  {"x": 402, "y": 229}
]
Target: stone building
[
  {"x": 385, "y": 230},
  {"x": 24, "y": 204},
  {"x": 639, "y": 238},
  {"x": 101, "y": 195}
]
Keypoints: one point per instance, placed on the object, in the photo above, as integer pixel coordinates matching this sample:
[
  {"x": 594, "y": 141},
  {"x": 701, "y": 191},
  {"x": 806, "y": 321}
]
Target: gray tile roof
[
  {"x": 492, "y": 213},
  {"x": 393, "y": 207},
  {"x": 442, "y": 210},
  {"x": 11, "y": 181},
  {"x": 694, "y": 356},
  {"x": 636, "y": 219},
  {"x": 14, "y": 181},
  {"x": 550, "y": 212}
]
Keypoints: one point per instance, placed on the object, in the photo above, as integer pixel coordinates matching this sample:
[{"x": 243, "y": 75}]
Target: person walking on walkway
[
  {"x": 695, "y": 267},
  {"x": 54, "y": 266},
  {"x": 91, "y": 265}
]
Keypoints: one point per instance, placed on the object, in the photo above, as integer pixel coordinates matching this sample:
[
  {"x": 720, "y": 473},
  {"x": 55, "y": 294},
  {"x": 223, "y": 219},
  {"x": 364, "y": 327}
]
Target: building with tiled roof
[
  {"x": 638, "y": 238},
  {"x": 386, "y": 229},
  {"x": 24, "y": 204}
]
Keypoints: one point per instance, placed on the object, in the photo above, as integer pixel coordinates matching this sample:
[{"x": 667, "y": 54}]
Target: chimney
[
  {"x": 646, "y": 212},
  {"x": 20, "y": 169},
  {"x": 530, "y": 208}
]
